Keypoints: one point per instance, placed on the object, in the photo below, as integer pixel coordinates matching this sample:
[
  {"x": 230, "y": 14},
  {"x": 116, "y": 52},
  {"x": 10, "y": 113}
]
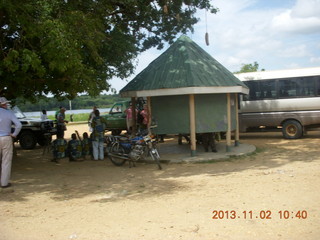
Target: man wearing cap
[{"x": 6, "y": 146}]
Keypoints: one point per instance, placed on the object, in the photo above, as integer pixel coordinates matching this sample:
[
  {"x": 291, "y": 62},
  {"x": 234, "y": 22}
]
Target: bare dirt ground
[{"x": 99, "y": 201}]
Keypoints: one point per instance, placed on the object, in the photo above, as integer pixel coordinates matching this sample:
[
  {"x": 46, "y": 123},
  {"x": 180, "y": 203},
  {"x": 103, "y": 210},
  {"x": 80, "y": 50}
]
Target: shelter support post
[
  {"x": 134, "y": 113},
  {"x": 149, "y": 114},
  {"x": 237, "y": 136},
  {"x": 192, "y": 125},
  {"x": 228, "y": 147}
]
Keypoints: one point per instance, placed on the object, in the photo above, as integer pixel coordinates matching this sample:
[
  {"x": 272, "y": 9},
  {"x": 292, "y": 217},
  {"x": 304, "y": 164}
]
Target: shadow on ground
[{"x": 33, "y": 173}]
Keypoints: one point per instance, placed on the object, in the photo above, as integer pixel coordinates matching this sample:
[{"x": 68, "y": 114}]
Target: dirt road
[{"x": 271, "y": 194}]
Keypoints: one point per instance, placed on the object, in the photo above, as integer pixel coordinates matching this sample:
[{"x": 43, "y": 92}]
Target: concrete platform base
[{"x": 173, "y": 152}]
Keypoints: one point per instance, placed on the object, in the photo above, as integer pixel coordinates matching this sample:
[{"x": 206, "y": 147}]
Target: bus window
[
  {"x": 287, "y": 88},
  {"x": 306, "y": 86},
  {"x": 254, "y": 90},
  {"x": 268, "y": 89},
  {"x": 260, "y": 90}
]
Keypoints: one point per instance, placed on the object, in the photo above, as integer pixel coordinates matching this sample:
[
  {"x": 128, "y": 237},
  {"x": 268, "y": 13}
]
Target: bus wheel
[{"x": 292, "y": 129}]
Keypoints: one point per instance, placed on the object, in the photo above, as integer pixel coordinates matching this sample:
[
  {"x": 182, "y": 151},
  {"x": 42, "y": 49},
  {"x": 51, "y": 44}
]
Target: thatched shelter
[{"x": 188, "y": 91}]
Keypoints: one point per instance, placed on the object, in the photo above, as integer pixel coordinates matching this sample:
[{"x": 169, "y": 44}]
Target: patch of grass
[
  {"x": 252, "y": 154},
  {"x": 80, "y": 117},
  {"x": 259, "y": 150}
]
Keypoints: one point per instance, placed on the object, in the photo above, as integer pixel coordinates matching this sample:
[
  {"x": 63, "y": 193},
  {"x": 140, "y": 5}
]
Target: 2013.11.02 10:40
[{"x": 301, "y": 214}]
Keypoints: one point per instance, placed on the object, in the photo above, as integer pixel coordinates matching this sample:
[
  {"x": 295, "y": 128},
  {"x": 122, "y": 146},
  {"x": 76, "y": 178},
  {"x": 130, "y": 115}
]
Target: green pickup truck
[{"x": 116, "y": 118}]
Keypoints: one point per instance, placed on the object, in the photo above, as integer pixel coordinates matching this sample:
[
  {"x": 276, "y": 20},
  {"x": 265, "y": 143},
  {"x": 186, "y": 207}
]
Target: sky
[{"x": 278, "y": 34}]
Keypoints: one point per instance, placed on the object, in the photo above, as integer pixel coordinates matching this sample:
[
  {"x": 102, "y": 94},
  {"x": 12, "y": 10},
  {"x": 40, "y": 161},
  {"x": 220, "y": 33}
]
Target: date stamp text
[{"x": 261, "y": 214}]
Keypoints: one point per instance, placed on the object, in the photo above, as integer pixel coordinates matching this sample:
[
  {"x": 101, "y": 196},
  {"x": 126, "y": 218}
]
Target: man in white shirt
[
  {"x": 6, "y": 147},
  {"x": 43, "y": 115}
]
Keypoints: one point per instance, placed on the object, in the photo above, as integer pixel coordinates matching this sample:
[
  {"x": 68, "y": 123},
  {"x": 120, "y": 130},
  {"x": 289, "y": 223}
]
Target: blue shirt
[
  {"x": 60, "y": 118},
  {"x": 6, "y": 119},
  {"x": 98, "y": 129}
]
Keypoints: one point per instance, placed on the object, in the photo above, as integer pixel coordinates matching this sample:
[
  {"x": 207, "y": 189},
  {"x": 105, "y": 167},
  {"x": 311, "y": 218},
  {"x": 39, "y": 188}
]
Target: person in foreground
[
  {"x": 59, "y": 148},
  {"x": 97, "y": 136},
  {"x": 74, "y": 149},
  {"x": 6, "y": 145}
]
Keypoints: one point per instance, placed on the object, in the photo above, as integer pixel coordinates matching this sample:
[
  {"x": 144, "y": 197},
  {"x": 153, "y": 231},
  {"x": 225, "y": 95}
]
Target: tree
[
  {"x": 249, "y": 68},
  {"x": 66, "y": 47}
]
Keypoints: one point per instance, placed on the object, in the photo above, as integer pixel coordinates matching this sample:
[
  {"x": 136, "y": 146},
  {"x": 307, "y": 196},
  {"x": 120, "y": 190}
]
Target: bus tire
[{"x": 292, "y": 129}]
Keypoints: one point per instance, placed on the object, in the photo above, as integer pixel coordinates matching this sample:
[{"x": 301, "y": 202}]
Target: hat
[{"x": 3, "y": 100}]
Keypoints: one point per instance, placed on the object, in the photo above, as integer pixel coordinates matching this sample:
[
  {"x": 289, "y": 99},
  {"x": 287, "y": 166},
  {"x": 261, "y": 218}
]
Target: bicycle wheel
[
  {"x": 117, "y": 155},
  {"x": 155, "y": 156}
]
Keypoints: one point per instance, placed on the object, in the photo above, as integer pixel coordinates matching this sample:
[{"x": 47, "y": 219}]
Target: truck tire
[
  {"x": 27, "y": 140},
  {"x": 292, "y": 129}
]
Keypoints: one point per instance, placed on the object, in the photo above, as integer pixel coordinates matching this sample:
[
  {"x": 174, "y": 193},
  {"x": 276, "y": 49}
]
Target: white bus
[{"x": 285, "y": 99}]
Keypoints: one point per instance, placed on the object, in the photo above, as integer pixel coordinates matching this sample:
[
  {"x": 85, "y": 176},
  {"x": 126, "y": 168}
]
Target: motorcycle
[{"x": 121, "y": 149}]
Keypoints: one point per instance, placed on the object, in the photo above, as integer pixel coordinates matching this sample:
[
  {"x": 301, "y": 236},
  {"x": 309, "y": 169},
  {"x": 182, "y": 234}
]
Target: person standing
[
  {"x": 91, "y": 116},
  {"x": 129, "y": 118},
  {"x": 44, "y": 115},
  {"x": 98, "y": 126},
  {"x": 57, "y": 113},
  {"x": 6, "y": 146},
  {"x": 61, "y": 122},
  {"x": 145, "y": 120}
]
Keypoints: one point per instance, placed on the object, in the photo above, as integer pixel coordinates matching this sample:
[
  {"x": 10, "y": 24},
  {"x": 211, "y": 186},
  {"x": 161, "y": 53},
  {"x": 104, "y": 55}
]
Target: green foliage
[
  {"x": 66, "y": 47},
  {"x": 249, "y": 68}
]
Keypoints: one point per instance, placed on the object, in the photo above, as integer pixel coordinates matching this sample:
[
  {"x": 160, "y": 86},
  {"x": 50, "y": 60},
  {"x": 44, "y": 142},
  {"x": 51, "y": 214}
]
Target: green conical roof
[{"x": 183, "y": 66}]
